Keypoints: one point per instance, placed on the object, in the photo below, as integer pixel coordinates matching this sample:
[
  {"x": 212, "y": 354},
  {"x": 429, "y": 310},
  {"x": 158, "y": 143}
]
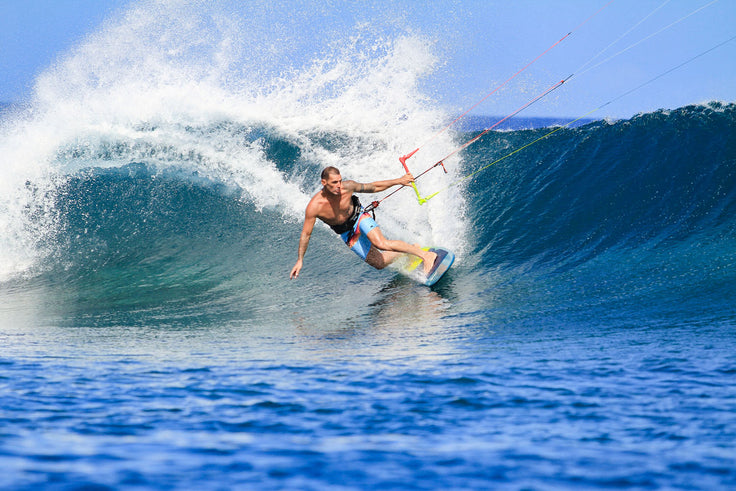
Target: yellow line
[{"x": 455, "y": 183}]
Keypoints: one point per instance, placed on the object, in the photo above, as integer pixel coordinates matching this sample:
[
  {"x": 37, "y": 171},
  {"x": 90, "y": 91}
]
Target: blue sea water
[{"x": 150, "y": 337}]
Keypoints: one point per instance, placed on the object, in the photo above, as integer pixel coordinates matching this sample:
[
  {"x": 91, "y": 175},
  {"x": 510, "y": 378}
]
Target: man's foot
[{"x": 429, "y": 259}]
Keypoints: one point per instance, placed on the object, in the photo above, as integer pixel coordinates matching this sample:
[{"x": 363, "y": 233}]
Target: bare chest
[{"x": 335, "y": 211}]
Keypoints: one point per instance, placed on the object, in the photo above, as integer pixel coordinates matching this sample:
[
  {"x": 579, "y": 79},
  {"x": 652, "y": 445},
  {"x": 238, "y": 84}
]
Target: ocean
[{"x": 151, "y": 338}]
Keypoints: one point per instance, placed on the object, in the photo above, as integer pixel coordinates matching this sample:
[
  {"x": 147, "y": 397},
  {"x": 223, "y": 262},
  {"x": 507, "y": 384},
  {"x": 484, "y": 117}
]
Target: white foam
[{"x": 146, "y": 79}]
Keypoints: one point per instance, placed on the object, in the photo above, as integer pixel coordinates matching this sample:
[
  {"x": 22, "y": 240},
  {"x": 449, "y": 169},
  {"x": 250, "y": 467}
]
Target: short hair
[{"x": 327, "y": 171}]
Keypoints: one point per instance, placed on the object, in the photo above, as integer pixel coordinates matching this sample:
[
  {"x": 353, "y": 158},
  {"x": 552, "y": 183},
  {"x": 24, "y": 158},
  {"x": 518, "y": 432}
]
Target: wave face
[{"x": 627, "y": 217}]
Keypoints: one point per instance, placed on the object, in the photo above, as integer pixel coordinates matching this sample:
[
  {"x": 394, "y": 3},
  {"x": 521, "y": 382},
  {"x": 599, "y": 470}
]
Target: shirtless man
[{"x": 336, "y": 205}]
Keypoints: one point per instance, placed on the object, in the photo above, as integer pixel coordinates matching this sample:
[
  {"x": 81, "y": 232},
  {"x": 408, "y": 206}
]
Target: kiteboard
[{"x": 443, "y": 262}]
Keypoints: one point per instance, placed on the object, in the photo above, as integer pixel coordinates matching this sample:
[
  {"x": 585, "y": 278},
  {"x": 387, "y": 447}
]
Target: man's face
[{"x": 333, "y": 184}]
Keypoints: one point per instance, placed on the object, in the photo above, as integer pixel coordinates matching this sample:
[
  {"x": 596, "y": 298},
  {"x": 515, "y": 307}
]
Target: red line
[
  {"x": 510, "y": 78},
  {"x": 478, "y": 136}
]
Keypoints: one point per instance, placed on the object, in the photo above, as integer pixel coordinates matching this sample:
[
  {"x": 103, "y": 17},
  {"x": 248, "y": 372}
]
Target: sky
[{"x": 480, "y": 44}]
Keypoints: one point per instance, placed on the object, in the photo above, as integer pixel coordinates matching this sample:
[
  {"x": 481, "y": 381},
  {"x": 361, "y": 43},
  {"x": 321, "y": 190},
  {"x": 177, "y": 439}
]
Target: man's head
[{"x": 332, "y": 180}]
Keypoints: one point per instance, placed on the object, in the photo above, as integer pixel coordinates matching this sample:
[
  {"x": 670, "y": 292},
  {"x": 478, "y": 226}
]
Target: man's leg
[
  {"x": 380, "y": 259},
  {"x": 389, "y": 250}
]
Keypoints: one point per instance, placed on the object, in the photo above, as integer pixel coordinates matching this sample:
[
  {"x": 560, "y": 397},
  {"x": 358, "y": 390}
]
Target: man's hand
[
  {"x": 406, "y": 179},
  {"x": 295, "y": 270}
]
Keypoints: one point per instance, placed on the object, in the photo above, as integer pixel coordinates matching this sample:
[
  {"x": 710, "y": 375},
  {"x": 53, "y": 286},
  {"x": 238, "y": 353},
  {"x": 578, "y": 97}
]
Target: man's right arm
[
  {"x": 378, "y": 186},
  {"x": 309, "y": 221}
]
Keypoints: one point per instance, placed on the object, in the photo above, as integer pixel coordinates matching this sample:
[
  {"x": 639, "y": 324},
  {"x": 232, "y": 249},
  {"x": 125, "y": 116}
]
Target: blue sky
[{"x": 480, "y": 44}]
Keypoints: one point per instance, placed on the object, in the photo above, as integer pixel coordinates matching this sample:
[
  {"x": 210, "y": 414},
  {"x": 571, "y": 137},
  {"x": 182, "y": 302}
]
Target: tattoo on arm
[{"x": 359, "y": 187}]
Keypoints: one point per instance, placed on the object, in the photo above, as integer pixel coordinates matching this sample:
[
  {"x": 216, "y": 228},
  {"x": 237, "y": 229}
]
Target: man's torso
[{"x": 334, "y": 211}]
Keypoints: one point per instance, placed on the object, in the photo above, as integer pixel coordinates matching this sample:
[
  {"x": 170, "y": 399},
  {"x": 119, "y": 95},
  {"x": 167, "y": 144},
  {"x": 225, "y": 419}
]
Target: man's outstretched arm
[{"x": 378, "y": 186}]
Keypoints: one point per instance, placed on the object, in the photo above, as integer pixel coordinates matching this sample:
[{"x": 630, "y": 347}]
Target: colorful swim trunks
[{"x": 357, "y": 238}]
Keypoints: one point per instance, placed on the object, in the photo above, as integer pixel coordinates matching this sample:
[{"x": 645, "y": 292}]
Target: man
[{"x": 336, "y": 205}]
